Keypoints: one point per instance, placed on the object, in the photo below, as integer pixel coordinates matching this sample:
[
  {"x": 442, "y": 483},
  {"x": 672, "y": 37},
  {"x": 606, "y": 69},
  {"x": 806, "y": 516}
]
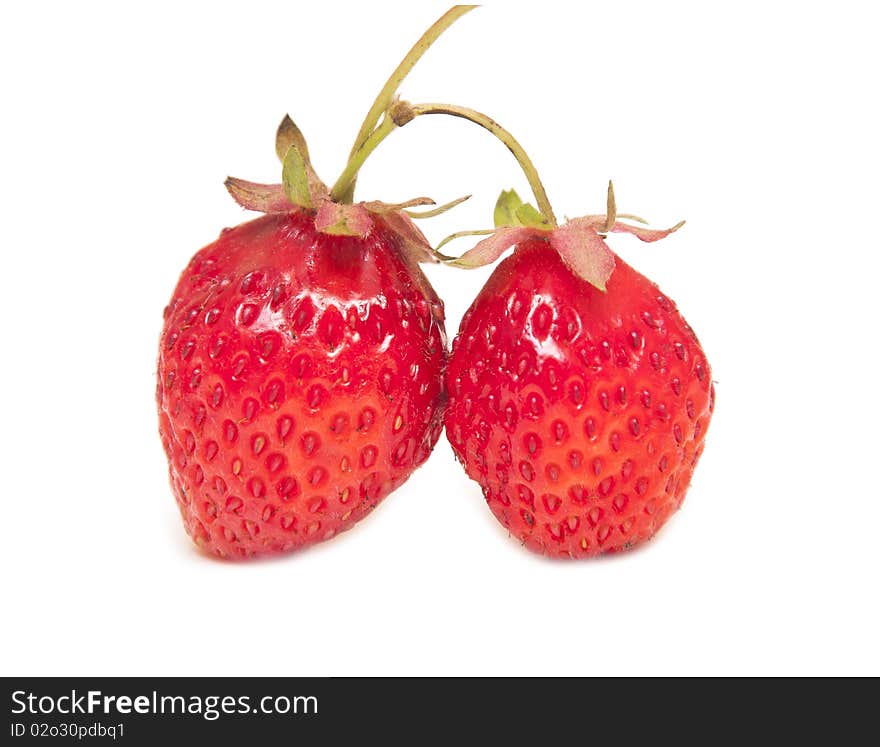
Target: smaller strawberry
[{"x": 579, "y": 397}]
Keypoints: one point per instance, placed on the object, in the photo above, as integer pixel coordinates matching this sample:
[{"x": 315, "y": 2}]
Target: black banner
[{"x": 140, "y": 710}]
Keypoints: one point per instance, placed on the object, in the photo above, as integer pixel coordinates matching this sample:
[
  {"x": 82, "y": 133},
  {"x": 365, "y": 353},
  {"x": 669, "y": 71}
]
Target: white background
[{"x": 757, "y": 123}]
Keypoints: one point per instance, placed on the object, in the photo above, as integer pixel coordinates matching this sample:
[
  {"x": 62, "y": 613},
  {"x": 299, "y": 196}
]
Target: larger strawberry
[
  {"x": 579, "y": 395},
  {"x": 301, "y": 358},
  {"x": 299, "y": 381}
]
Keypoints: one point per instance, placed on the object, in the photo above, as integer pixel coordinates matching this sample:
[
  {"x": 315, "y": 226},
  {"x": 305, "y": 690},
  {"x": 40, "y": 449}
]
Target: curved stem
[
  {"x": 403, "y": 112},
  {"x": 343, "y": 190},
  {"x": 383, "y": 100},
  {"x": 505, "y": 137}
]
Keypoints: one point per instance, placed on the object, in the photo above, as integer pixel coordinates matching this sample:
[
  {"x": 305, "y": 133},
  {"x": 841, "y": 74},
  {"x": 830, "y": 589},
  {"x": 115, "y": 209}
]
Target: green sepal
[
  {"x": 529, "y": 216},
  {"x": 505, "y": 208},
  {"x": 295, "y": 178},
  {"x": 343, "y": 220},
  {"x": 510, "y": 210},
  {"x": 289, "y": 134},
  {"x": 341, "y": 229}
]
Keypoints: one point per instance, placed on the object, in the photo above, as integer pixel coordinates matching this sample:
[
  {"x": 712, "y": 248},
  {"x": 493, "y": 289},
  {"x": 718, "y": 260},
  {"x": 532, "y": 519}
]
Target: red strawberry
[
  {"x": 299, "y": 382},
  {"x": 301, "y": 359},
  {"x": 581, "y": 413}
]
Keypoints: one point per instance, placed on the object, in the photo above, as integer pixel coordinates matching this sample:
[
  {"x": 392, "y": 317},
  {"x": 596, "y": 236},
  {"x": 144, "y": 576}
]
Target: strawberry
[
  {"x": 299, "y": 382},
  {"x": 579, "y": 397},
  {"x": 301, "y": 357}
]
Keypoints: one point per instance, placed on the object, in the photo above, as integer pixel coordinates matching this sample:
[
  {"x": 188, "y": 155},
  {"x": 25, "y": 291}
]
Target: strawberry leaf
[
  {"x": 376, "y": 206},
  {"x": 416, "y": 246},
  {"x": 295, "y": 178},
  {"x": 510, "y": 210},
  {"x": 488, "y": 250},
  {"x": 646, "y": 234},
  {"x": 583, "y": 250},
  {"x": 610, "y": 208},
  {"x": 439, "y": 210},
  {"x": 264, "y": 198},
  {"x": 528, "y": 215},
  {"x": 505, "y": 208},
  {"x": 343, "y": 220},
  {"x": 460, "y": 235},
  {"x": 289, "y": 134}
]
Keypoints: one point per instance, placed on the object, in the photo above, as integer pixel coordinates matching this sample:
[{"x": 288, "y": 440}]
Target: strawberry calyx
[
  {"x": 580, "y": 242},
  {"x": 302, "y": 190},
  {"x": 261, "y": 198},
  {"x": 334, "y": 210}
]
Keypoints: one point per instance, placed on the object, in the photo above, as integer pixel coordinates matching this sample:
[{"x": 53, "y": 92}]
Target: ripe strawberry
[
  {"x": 299, "y": 382},
  {"x": 580, "y": 412},
  {"x": 300, "y": 363}
]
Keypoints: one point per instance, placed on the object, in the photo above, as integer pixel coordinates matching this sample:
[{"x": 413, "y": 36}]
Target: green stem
[
  {"x": 343, "y": 190},
  {"x": 403, "y": 112},
  {"x": 386, "y": 95},
  {"x": 505, "y": 137}
]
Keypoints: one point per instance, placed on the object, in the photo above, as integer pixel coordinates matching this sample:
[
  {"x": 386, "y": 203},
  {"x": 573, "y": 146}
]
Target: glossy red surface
[
  {"x": 299, "y": 382},
  {"x": 581, "y": 414}
]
